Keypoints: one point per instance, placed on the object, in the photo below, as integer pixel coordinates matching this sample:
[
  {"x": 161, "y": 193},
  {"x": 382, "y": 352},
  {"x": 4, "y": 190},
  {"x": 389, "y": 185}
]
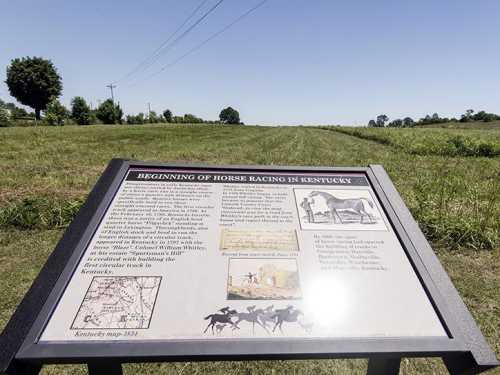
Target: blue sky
[{"x": 291, "y": 62}]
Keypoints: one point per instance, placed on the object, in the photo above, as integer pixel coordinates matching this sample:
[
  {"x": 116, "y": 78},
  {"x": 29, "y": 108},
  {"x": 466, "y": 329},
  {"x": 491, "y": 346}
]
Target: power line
[
  {"x": 155, "y": 52},
  {"x": 213, "y": 36},
  {"x": 167, "y": 46}
]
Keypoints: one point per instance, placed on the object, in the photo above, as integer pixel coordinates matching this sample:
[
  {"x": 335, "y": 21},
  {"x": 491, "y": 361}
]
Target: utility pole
[
  {"x": 111, "y": 87},
  {"x": 149, "y": 110}
]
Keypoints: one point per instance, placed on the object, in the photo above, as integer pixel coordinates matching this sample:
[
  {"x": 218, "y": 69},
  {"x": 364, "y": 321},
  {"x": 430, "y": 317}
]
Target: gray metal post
[
  {"x": 111, "y": 368},
  {"x": 383, "y": 366}
]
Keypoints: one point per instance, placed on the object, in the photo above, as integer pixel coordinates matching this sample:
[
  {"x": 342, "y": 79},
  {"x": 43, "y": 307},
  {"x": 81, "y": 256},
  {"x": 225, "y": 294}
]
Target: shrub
[
  {"x": 56, "y": 113},
  {"x": 153, "y": 117},
  {"x": 469, "y": 147},
  {"x": 80, "y": 111},
  {"x": 109, "y": 112},
  {"x": 4, "y": 117},
  {"x": 136, "y": 120}
]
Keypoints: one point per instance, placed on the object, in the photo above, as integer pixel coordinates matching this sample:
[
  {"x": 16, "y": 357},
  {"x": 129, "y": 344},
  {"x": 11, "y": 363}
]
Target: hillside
[{"x": 46, "y": 172}]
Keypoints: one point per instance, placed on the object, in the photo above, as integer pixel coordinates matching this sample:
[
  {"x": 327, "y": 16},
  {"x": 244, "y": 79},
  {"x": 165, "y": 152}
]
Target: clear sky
[{"x": 291, "y": 62}]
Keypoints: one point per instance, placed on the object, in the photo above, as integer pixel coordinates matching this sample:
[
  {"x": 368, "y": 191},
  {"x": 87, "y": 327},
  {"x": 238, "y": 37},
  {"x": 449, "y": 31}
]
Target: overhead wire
[
  {"x": 204, "y": 42},
  {"x": 169, "y": 43}
]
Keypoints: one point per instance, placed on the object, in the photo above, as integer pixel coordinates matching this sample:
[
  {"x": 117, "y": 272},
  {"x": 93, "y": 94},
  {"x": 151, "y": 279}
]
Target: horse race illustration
[
  {"x": 342, "y": 209},
  {"x": 263, "y": 278},
  {"x": 269, "y": 319}
]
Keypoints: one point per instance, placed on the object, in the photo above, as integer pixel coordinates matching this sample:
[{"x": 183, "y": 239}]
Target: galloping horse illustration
[
  {"x": 354, "y": 204},
  {"x": 286, "y": 315},
  {"x": 221, "y": 318},
  {"x": 268, "y": 315},
  {"x": 252, "y": 317}
]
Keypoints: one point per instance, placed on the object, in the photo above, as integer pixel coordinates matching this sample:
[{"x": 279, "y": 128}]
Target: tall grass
[
  {"x": 433, "y": 141},
  {"x": 458, "y": 210}
]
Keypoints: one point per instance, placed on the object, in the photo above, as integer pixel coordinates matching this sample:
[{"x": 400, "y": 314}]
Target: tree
[
  {"x": 153, "y": 117},
  {"x": 191, "y": 119},
  {"x": 4, "y": 116},
  {"x": 397, "y": 123},
  {"x": 408, "y": 122},
  {"x": 109, "y": 112},
  {"x": 381, "y": 120},
  {"x": 33, "y": 81},
  {"x": 372, "y": 124},
  {"x": 484, "y": 116},
  {"x": 168, "y": 115},
  {"x": 56, "y": 113},
  {"x": 229, "y": 116},
  {"x": 135, "y": 120},
  {"x": 80, "y": 111},
  {"x": 14, "y": 110},
  {"x": 467, "y": 116}
]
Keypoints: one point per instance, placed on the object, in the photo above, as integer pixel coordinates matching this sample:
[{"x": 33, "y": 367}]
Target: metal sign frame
[{"x": 464, "y": 350}]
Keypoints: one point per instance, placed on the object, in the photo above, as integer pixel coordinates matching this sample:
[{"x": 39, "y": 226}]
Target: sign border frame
[{"x": 465, "y": 347}]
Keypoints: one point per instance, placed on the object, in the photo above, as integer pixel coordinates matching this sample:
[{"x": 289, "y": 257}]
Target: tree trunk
[{"x": 37, "y": 114}]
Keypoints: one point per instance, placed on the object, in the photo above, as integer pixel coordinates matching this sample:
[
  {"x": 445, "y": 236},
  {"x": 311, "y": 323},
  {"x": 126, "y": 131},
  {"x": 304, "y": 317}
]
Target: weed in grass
[{"x": 39, "y": 213}]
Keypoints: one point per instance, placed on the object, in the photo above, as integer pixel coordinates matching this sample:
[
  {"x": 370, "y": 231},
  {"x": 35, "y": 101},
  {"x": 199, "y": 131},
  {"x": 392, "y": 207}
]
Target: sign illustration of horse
[
  {"x": 231, "y": 318},
  {"x": 289, "y": 314},
  {"x": 252, "y": 316},
  {"x": 353, "y": 204},
  {"x": 221, "y": 318},
  {"x": 268, "y": 316}
]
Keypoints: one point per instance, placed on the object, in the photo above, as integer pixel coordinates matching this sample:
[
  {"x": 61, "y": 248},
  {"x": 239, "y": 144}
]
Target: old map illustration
[{"x": 118, "y": 302}]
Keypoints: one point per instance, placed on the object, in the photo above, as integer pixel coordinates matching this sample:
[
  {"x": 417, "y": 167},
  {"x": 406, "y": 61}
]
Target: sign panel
[{"x": 203, "y": 254}]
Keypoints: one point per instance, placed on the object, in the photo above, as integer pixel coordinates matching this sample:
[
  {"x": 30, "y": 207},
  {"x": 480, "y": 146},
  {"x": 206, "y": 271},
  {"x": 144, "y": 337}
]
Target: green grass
[
  {"x": 432, "y": 141},
  {"x": 466, "y": 125},
  {"x": 46, "y": 172}
]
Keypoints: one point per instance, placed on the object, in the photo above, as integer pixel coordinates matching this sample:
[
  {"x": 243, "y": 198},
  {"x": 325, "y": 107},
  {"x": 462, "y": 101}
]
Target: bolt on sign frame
[{"x": 464, "y": 349}]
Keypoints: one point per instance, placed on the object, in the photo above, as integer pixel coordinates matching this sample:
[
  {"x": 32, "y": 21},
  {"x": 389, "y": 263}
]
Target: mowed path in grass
[{"x": 64, "y": 163}]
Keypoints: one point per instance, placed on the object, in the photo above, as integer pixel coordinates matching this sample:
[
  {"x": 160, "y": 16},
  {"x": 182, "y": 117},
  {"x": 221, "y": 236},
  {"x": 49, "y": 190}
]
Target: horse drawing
[
  {"x": 219, "y": 328},
  {"x": 221, "y": 318},
  {"x": 289, "y": 314},
  {"x": 268, "y": 315},
  {"x": 252, "y": 317},
  {"x": 353, "y": 204}
]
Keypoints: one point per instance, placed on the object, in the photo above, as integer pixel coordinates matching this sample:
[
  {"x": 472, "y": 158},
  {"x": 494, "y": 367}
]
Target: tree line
[
  {"x": 35, "y": 82},
  {"x": 469, "y": 116}
]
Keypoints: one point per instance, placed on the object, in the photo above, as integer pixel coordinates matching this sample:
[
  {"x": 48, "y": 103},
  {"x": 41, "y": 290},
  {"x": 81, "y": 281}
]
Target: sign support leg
[
  {"x": 105, "y": 368},
  {"x": 383, "y": 366}
]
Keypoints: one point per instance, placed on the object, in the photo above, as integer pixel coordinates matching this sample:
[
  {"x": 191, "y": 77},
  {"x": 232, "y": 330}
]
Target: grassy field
[
  {"x": 433, "y": 141},
  {"x": 45, "y": 174},
  {"x": 466, "y": 125}
]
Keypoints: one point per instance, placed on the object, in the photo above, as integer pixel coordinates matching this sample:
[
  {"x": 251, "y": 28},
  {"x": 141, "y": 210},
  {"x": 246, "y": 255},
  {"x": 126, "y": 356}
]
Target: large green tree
[
  {"x": 229, "y": 116},
  {"x": 80, "y": 111},
  {"x": 109, "y": 112},
  {"x": 34, "y": 82}
]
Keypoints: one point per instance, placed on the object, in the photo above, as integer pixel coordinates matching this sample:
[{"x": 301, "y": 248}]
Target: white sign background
[{"x": 335, "y": 303}]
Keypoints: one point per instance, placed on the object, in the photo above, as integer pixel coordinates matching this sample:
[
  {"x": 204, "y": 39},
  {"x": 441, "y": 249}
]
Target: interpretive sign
[{"x": 243, "y": 262}]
